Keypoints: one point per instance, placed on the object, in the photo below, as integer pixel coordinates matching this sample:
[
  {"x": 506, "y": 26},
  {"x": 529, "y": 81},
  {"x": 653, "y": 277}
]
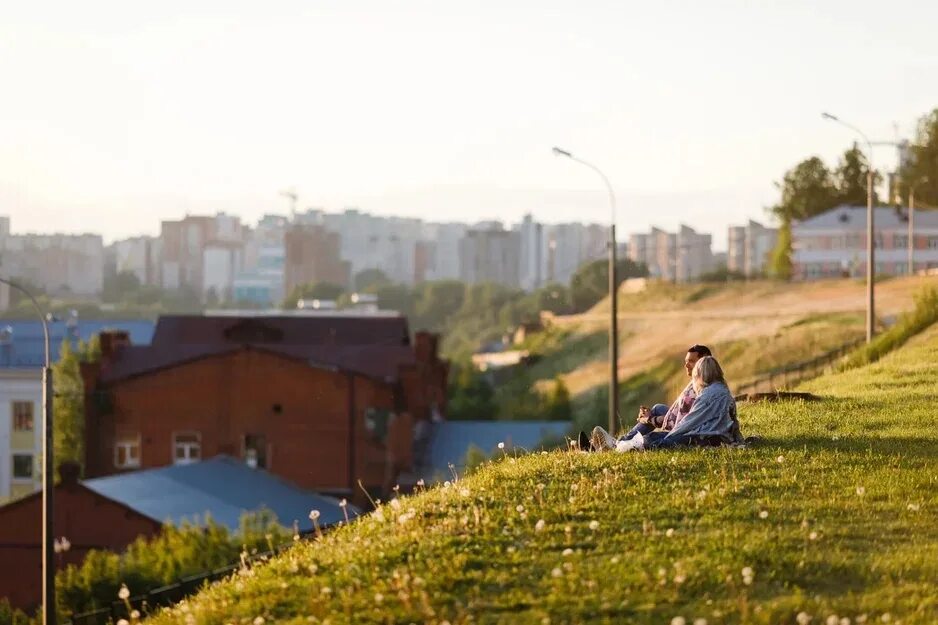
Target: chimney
[
  {"x": 111, "y": 343},
  {"x": 69, "y": 472},
  {"x": 425, "y": 346}
]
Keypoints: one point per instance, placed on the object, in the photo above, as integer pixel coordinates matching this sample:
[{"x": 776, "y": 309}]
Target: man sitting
[{"x": 660, "y": 416}]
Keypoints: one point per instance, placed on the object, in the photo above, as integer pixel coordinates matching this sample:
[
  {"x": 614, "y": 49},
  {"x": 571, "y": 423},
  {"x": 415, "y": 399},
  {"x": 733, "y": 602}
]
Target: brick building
[
  {"x": 323, "y": 401},
  {"x": 87, "y": 519},
  {"x": 312, "y": 254}
]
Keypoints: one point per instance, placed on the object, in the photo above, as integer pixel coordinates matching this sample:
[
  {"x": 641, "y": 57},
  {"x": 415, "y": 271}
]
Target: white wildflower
[
  {"x": 914, "y": 507},
  {"x": 135, "y": 614},
  {"x": 845, "y": 620},
  {"x": 446, "y": 484},
  {"x": 420, "y": 482},
  {"x": 886, "y": 617},
  {"x": 679, "y": 620},
  {"x": 314, "y": 515},
  {"x": 680, "y": 578},
  {"x": 464, "y": 492},
  {"x": 540, "y": 525},
  {"x": 803, "y": 618},
  {"x": 669, "y": 532},
  {"x": 501, "y": 445},
  {"x": 123, "y": 593},
  {"x": 700, "y": 621},
  {"x": 567, "y": 552},
  {"x": 519, "y": 508},
  {"x": 379, "y": 598},
  {"x": 326, "y": 590},
  {"x": 833, "y": 619},
  {"x": 748, "y": 574},
  {"x": 122, "y": 621},
  {"x": 614, "y": 559},
  {"x": 812, "y": 536},
  {"x": 259, "y": 620},
  {"x": 764, "y": 514},
  {"x": 343, "y": 503},
  {"x": 780, "y": 459},
  {"x": 395, "y": 503},
  {"x": 861, "y": 491},
  {"x": 556, "y": 572},
  {"x": 594, "y": 525}
]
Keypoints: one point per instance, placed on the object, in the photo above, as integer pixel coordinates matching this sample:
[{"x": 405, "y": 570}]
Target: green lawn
[{"x": 835, "y": 514}]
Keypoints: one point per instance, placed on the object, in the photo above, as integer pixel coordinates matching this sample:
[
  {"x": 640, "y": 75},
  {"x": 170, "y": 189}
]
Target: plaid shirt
[{"x": 678, "y": 409}]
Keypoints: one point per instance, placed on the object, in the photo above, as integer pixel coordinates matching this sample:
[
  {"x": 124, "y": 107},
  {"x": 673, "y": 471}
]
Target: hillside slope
[{"x": 834, "y": 514}]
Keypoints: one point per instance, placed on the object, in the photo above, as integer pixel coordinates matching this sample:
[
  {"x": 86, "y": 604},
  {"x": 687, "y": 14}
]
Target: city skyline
[{"x": 442, "y": 113}]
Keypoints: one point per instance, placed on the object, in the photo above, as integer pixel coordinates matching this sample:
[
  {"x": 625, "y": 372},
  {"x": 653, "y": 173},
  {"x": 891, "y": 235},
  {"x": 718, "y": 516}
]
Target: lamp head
[
  {"x": 558, "y": 152},
  {"x": 830, "y": 117}
]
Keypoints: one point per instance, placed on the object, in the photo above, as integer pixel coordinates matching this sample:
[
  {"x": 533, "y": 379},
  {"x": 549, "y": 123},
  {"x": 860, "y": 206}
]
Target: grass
[
  {"x": 909, "y": 324},
  {"x": 834, "y": 514}
]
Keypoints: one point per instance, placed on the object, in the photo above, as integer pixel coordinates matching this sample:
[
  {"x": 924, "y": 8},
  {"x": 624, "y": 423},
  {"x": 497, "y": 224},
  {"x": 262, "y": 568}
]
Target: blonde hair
[{"x": 706, "y": 372}]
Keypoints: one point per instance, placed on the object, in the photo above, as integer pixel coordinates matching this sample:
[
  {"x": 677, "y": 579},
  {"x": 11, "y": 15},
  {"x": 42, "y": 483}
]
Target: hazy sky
[{"x": 113, "y": 116}]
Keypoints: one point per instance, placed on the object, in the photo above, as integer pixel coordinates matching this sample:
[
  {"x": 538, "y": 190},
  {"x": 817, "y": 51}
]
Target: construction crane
[{"x": 291, "y": 195}]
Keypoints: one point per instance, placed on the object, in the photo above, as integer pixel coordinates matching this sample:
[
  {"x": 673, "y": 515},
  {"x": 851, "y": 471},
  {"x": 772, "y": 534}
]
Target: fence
[{"x": 790, "y": 375}]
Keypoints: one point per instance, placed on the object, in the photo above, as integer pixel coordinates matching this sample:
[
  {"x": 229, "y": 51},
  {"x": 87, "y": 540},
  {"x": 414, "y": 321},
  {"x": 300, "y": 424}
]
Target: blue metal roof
[
  {"x": 222, "y": 487},
  {"x": 450, "y": 440},
  {"x": 27, "y": 347}
]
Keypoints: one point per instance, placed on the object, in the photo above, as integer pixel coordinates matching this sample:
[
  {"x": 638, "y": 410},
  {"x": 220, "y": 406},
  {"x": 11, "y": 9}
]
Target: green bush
[
  {"x": 923, "y": 315},
  {"x": 160, "y": 560}
]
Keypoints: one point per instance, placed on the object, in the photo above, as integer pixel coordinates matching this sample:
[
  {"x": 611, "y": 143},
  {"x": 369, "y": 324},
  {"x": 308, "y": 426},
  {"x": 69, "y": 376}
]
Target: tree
[
  {"x": 850, "y": 179},
  {"x": 471, "y": 397},
  {"x": 68, "y": 408},
  {"x": 590, "y": 283},
  {"x": 807, "y": 189},
  {"x": 368, "y": 280},
  {"x": 557, "y": 405},
  {"x": 921, "y": 172},
  {"x": 780, "y": 261},
  {"x": 120, "y": 286},
  {"x": 312, "y": 290}
]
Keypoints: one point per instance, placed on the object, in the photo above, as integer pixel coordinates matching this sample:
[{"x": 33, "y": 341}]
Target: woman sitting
[{"x": 712, "y": 420}]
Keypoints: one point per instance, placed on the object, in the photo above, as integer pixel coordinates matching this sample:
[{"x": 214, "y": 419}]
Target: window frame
[
  {"x": 188, "y": 446},
  {"x": 32, "y": 466},
  {"x": 14, "y": 417},
  {"x": 127, "y": 443}
]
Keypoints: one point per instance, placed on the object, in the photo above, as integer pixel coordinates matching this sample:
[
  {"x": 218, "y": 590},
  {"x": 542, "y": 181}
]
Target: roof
[
  {"x": 376, "y": 347},
  {"x": 450, "y": 440},
  {"x": 846, "y": 217},
  {"x": 221, "y": 487},
  {"x": 28, "y": 348}
]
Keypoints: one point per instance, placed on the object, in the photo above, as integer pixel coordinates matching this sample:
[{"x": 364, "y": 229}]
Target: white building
[
  {"x": 490, "y": 255},
  {"x": 139, "y": 256},
  {"x": 20, "y": 430},
  {"x": 442, "y": 242},
  {"x": 221, "y": 264},
  {"x": 260, "y": 280},
  {"x": 62, "y": 264},
  {"x": 833, "y": 244},
  {"x": 677, "y": 257},
  {"x": 572, "y": 245},
  {"x": 749, "y": 248},
  {"x": 534, "y": 253}
]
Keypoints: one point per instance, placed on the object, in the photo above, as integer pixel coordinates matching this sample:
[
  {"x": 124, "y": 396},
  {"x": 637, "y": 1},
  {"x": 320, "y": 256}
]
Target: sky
[{"x": 115, "y": 115}]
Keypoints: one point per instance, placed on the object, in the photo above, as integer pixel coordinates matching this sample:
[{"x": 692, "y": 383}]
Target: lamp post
[
  {"x": 912, "y": 231},
  {"x": 870, "y": 240},
  {"x": 48, "y": 546},
  {"x": 613, "y": 295}
]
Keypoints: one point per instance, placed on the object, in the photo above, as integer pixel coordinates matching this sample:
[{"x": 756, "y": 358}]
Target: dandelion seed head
[
  {"x": 124, "y": 592},
  {"x": 135, "y": 614},
  {"x": 764, "y": 514},
  {"x": 420, "y": 482},
  {"x": 313, "y": 515},
  {"x": 343, "y": 503},
  {"x": 594, "y": 525},
  {"x": 501, "y": 445}
]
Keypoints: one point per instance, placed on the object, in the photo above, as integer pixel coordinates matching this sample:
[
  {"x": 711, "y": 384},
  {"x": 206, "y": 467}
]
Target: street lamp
[
  {"x": 870, "y": 242},
  {"x": 48, "y": 546},
  {"x": 613, "y": 296}
]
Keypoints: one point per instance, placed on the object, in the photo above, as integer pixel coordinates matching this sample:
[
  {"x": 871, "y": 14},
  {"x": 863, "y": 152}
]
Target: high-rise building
[
  {"x": 572, "y": 245},
  {"x": 749, "y": 248},
  {"x": 62, "y": 264},
  {"x": 678, "y": 257},
  {"x": 533, "y": 269},
  {"x": 490, "y": 255},
  {"x": 313, "y": 255}
]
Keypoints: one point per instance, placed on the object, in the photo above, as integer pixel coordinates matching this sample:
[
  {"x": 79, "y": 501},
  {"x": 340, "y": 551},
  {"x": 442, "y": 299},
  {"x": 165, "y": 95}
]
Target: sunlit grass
[{"x": 834, "y": 515}]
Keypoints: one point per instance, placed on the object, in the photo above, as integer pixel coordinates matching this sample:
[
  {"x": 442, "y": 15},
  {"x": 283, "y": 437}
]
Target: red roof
[{"x": 376, "y": 347}]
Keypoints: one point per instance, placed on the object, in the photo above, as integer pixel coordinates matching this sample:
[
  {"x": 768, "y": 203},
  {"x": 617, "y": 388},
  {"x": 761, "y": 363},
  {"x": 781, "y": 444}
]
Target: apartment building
[
  {"x": 313, "y": 255},
  {"x": 488, "y": 253},
  {"x": 681, "y": 256},
  {"x": 572, "y": 245},
  {"x": 749, "y": 248},
  {"x": 834, "y": 243}
]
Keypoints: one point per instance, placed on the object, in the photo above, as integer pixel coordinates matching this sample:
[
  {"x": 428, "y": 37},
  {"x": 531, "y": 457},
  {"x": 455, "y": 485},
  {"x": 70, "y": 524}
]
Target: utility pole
[{"x": 912, "y": 231}]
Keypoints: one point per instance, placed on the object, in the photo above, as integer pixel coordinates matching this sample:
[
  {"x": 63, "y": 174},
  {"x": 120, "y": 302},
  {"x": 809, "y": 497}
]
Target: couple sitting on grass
[{"x": 704, "y": 415}]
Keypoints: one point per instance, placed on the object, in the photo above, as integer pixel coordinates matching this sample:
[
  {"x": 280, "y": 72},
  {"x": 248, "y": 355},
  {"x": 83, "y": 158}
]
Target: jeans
[{"x": 658, "y": 410}]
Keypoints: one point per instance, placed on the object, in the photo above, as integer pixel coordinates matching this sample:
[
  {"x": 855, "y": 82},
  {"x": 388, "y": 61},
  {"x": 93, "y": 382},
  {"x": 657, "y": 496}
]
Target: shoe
[
  {"x": 583, "y": 442},
  {"x": 602, "y": 440}
]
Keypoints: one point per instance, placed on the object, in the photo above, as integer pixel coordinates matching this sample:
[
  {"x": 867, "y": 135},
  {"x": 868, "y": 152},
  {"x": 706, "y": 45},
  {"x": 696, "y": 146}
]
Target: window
[
  {"x": 22, "y": 466},
  {"x": 22, "y": 416},
  {"x": 187, "y": 447},
  {"x": 127, "y": 452},
  {"x": 255, "y": 451},
  {"x": 933, "y": 243}
]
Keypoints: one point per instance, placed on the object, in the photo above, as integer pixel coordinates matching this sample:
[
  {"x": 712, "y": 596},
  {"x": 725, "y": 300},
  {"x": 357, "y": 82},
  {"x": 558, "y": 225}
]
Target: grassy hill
[
  {"x": 753, "y": 327},
  {"x": 834, "y": 514}
]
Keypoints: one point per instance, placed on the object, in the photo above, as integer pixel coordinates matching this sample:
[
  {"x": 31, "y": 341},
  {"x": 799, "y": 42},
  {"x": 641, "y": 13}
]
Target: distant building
[
  {"x": 313, "y": 254},
  {"x": 441, "y": 251},
  {"x": 749, "y": 248},
  {"x": 62, "y": 264},
  {"x": 139, "y": 256},
  {"x": 572, "y": 245},
  {"x": 677, "y": 257},
  {"x": 261, "y": 280},
  {"x": 833, "y": 244},
  {"x": 21, "y": 360},
  {"x": 320, "y": 400},
  {"x": 183, "y": 252},
  {"x": 533, "y": 254},
  {"x": 490, "y": 255}
]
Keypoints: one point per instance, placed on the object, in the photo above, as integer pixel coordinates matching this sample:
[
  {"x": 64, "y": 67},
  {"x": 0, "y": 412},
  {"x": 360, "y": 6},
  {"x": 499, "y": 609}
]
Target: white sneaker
[
  {"x": 638, "y": 441},
  {"x": 624, "y": 446},
  {"x": 602, "y": 439}
]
